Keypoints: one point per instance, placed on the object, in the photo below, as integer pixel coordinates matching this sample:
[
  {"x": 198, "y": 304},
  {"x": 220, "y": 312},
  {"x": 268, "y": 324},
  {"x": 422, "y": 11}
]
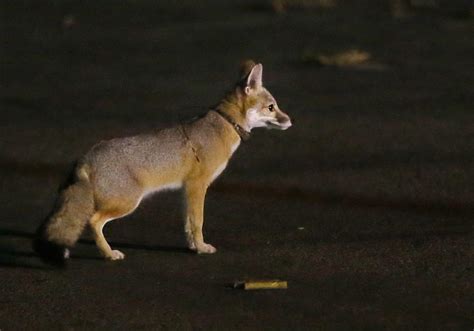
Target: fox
[{"x": 114, "y": 176}]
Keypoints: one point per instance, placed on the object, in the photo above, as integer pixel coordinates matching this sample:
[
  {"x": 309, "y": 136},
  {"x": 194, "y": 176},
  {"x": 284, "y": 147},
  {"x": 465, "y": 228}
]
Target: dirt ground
[{"x": 365, "y": 206}]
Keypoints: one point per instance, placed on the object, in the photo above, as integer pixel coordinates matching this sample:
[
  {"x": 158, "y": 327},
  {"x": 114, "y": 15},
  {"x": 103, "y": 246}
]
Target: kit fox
[{"x": 113, "y": 177}]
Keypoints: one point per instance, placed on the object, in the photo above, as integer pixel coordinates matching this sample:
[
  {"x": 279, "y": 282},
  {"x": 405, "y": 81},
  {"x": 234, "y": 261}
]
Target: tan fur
[{"x": 115, "y": 175}]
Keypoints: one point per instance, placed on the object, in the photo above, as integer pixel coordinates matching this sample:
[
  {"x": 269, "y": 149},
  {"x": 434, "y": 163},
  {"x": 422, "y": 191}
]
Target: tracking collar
[{"x": 243, "y": 134}]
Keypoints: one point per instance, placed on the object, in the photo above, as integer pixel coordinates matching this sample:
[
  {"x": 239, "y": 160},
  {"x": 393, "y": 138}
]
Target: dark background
[{"x": 364, "y": 206}]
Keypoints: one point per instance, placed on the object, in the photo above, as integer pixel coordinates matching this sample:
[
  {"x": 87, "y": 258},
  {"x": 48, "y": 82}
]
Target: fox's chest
[
  {"x": 218, "y": 171},
  {"x": 220, "y": 168}
]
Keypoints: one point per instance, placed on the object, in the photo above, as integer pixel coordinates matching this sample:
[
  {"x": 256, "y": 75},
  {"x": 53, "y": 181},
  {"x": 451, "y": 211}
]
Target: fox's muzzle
[{"x": 284, "y": 121}]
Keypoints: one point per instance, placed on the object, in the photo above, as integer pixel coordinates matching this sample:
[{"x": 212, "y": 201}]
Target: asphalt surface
[{"x": 365, "y": 206}]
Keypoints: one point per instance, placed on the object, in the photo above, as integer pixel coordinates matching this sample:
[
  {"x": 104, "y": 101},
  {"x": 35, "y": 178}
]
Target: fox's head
[{"x": 257, "y": 107}]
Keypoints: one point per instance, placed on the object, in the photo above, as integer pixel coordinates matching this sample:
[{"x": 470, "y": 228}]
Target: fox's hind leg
[{"x": 97, "y": 224}]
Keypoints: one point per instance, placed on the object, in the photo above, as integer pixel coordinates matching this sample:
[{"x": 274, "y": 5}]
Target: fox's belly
[{"x": 164, "y": 187}]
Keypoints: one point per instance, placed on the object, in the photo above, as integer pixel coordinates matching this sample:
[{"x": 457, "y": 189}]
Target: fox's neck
[{"x": 233, "y": 106}]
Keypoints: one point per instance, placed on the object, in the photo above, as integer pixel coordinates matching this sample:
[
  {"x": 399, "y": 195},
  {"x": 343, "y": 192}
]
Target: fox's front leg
[
  {"x": 189, "y": 234},
  {"x": 195, "y": 194}
]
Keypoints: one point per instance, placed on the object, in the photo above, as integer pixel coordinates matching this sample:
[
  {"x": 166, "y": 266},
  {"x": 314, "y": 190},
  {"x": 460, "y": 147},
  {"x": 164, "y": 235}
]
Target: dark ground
[{"x": 378, "y": 168}]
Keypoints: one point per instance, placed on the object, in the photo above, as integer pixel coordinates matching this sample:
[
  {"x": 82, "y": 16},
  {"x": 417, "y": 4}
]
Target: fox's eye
[{"x": 271, "y": 107}]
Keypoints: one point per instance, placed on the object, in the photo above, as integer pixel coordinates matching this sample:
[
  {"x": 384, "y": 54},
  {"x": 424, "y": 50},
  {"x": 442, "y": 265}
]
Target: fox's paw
[
  {"x": 115, "y": 255},
  {"x": 206, "y": 249},
  {"x": 67, "y": 253}
]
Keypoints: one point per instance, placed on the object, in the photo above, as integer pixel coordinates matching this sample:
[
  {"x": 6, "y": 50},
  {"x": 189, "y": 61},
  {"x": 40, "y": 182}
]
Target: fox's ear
[
  {"x": 245, "y": 68},
  {"x": 254, "y": 79}
]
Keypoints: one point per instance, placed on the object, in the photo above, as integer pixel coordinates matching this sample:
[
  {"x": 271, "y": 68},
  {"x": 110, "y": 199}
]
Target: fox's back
[{"x": 135, "y": 159}]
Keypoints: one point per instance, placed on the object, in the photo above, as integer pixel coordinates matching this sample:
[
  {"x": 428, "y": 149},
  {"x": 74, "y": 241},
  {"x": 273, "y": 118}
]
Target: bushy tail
[{"x": 62, "y": 229}]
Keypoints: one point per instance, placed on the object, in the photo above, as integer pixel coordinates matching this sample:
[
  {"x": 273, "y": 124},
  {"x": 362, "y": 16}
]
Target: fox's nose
[
  {"x": 285, "y": 121},
  {"x": 284, "y": 118}
]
